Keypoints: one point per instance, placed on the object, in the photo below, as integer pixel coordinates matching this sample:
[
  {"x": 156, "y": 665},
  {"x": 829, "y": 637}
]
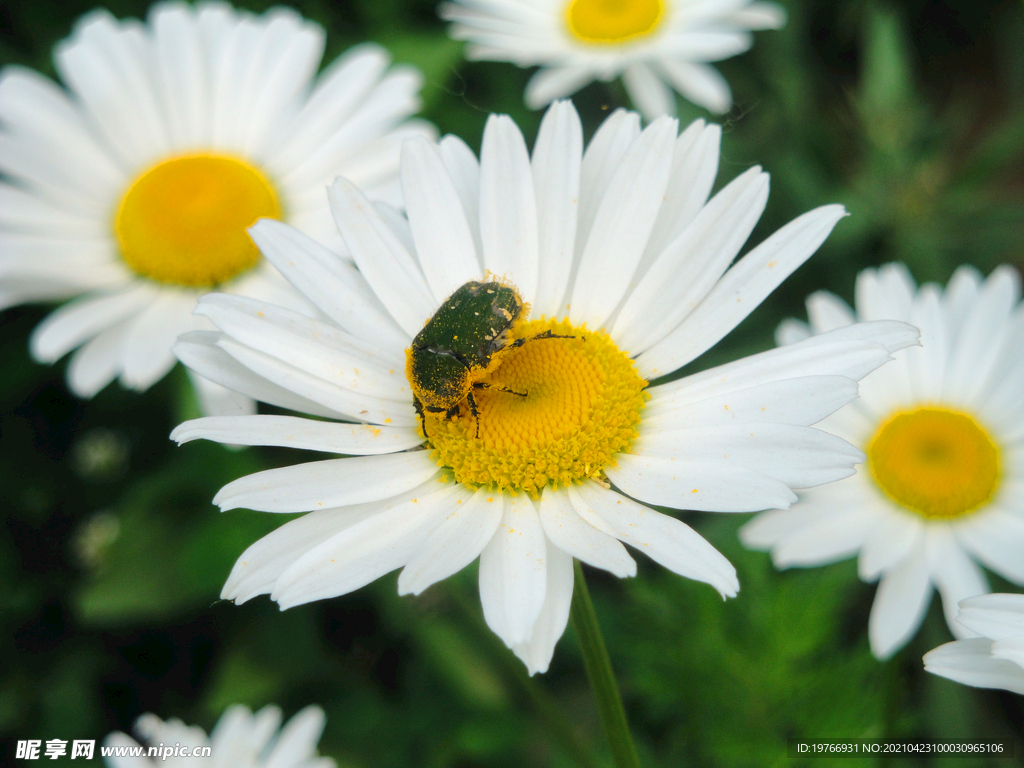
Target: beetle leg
[
  {"x": 476, "y": 414},
  {"x": 419, "y": 412},
  {"x": 485, "y": 385},
  {"x": 543, "y": 335}
]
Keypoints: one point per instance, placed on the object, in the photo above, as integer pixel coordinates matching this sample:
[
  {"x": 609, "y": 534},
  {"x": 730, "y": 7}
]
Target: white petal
[
  {"x": 648, "y": 92},
  {"x": 98, "y": 361},
  {"x": 365, "y": 552},
  {"x": 970, "y": 662},
  {"x": 853, "y": 352},
  {"x": 181, "y": 74},
  {"x": 827, "y": 539},
  {"x": 536, "y": 652},
  {"x": 700, "y": 83},
  {"x": 977, "y": 345},
  {"x": 996, "y": 537},
  {"x": 356, "y": 406},
  {"x": 261, "y": 564},
  {"x": 80, "y": 320},
  {"x": 801, "y": 457},
  {"x": 802, "y": 401},
  {"x": 295, "y": 746},
  {"x": 707, "y": 486},
  {"x": 215, "y": 400},
  {"x": 550, "y": 83},
  {"x": 664, "y": 539},
  {"x": 622, "y": 225},
  {"x": 997, "y": 616},
  {"x": 147, "y": 355},
  {"x": 958, "y": 298},
  {"x": 791, "y": 331},
  {"x": 508, "y": 208},
  {"x": 199, "y": 351},
  {"x": 690, "y": 266},
  {"x": 574, "y": 535},
  {"x": 328, "y": 483},
  {"x": 443, "y": 240},
  {"x": 897, "y": 534},
  {"x": 331, "y": 283},
  {"x": 900, "y": 604},
  {"x": 955, "y": 575},
  {"x": 308, "y": 344},
  {"x": 460, "y": 537},
  {"x": 826, "y": 312},
  {"x": 741, "y": 290},
  {"x": 513, "y": 572},
  {"x": 556, "y": 163},
  {"x": 306, "y": 434},
  {"x": 382, "y": 260},
  {"x": 464, "y": 170}
]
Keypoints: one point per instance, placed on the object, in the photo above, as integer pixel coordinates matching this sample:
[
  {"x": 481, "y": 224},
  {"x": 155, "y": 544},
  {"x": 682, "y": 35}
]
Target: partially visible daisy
[
  {"x": 996, "y": 658},
  {"x": 618, "y": 251},
  {"x": 654, "y": 45},
  {"x": 132, "y": 189},
  {"x": 943, "y": 431},
  {"x": 241, "y": 739}
]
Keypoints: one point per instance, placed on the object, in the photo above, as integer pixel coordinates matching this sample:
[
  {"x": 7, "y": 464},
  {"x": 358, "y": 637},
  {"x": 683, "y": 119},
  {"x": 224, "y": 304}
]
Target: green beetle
[{"x": 462, "y": 344}]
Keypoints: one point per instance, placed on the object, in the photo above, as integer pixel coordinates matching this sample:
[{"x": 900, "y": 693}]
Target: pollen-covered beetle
[{"x": 461, "y": 345}]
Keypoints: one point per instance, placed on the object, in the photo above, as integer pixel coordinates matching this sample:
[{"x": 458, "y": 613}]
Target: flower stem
[{"x": 600, "y": 674}]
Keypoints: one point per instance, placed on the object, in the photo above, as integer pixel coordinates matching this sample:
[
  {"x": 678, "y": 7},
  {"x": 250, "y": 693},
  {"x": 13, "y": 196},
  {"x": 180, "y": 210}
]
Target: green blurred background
[{"x": 112, "y": 557}]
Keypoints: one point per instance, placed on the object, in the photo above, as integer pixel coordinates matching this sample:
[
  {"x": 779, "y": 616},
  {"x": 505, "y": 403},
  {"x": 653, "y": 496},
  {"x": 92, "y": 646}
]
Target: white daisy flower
[
  {"x": 241, "y": 739},
  {"x": 617, "y": 251},
  {"x": 996, "y": 658},
  {"x": 942, "y": 428},
  {"x": 654, "y": 45},
  {"x": 132, "y": 189}
]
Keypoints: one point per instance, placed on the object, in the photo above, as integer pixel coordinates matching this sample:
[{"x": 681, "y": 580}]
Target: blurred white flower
[
  {"x": 943, "y": 430},
  {"x": 654, "y": 45},
  {"x": 996, "y": 658},
  {"x": 617, "y": 251},
  {"x": 132, "y": 189},
  {"x": 241, "y": 739}
]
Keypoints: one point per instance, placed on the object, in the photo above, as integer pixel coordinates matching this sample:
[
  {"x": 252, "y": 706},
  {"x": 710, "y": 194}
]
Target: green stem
[{"x": 601, "y": 676}]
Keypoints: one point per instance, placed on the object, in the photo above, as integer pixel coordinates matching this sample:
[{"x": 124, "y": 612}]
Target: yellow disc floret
[
  {"x": 611, "y": 22},
  {"x": 183, "y": 221},
  {"x": 582, "y": 404},
  {"x": 937, "y": 462}
]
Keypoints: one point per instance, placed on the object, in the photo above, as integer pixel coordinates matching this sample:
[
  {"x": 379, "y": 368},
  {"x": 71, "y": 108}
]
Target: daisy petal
[
  {"x": 954, "y": 574},
  {"x": 826, "y": 312},
  {"x": 78, "y": 321},
  {"x": 741, "y": 290},
  {"x": 574, "y": 535},
  {"x": 334, "y": 286},
  {"x": 508, "y": 209},
  {"x": 306, "y": 434},
  {"x": 700, "y": 83},
  {"x": 556, "y": 163},
  {"x": 648, "y": 92},
  {"x": 382, "y": 260},
  {"x": 215, "y": 400},
  {"x": 828, "y": 539},
  {"x": 996, "y": 538},
  {"x": 970, "y": 662},
  {"x": 997, "y": 616},
  {"x": 199, "y": 351},
  {"x": 706, "y": 486},
  {"x": 513, "y": 572},
  {"x": 147, "y": 347},
  {"x": 96, "y": 363},
  {"x": 892, "y": 540},
  {"x": 536, "y": 652},
  {"x": 457, "y": 541},
  {"x": 623, "y": 222},
  {"x": 365, "y": 551},
  {"x": 328, "y": 483},
  {"x": 900, "y": 604},
  {"x": 261, "y": 565},
  {"x": 443, "y": 240},
  {"x": 464, "y": 171},
  {"x": 664, "y": 539},
  {"x": 550, "y": 83}
]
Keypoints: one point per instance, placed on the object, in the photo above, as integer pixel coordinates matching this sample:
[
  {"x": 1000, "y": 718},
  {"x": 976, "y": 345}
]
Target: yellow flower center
[
  {"x": 934, "y": 461},
  {"x": 183, "y": 221},
  {"x": 610, "y": 22},
  {"x": 582, "y": 405}
]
